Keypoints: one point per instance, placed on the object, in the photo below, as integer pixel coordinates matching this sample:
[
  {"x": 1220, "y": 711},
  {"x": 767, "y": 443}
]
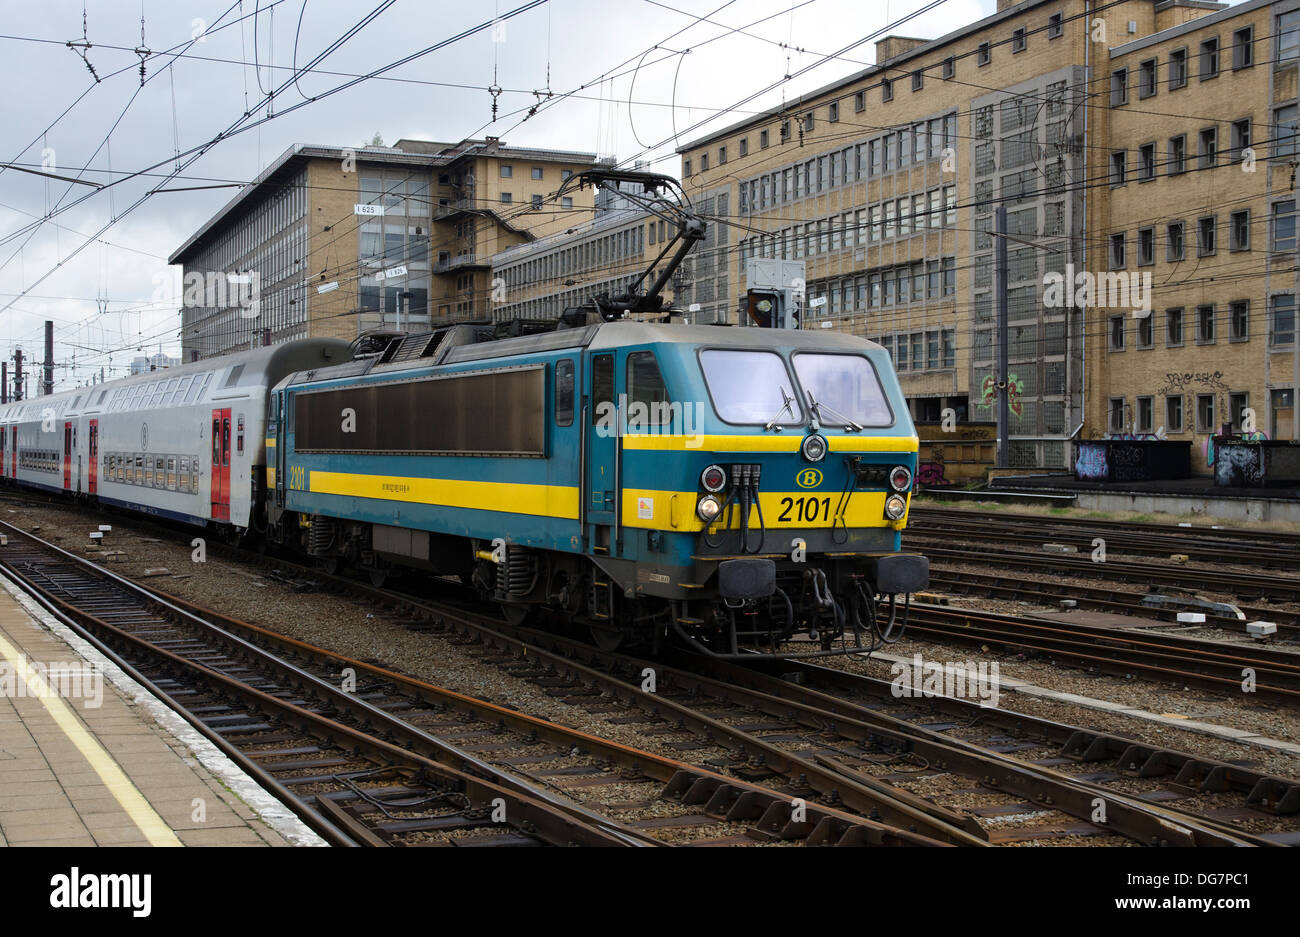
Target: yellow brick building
[{"x": 885, "y": 184}]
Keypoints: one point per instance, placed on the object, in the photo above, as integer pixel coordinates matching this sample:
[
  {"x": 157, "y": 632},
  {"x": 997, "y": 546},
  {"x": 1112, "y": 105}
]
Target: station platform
[
  {"x": 88, "y": 757},
  {"x": 1196, "y": 495}
]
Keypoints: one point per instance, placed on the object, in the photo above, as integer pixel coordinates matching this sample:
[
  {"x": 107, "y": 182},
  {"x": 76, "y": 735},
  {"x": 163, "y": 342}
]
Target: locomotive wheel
[
  {"x": 378, "y": 577},
  {"x": 608, "y": 636},
  {"x": 329, "y": 565},
  {"x": 515, "y": 615}
]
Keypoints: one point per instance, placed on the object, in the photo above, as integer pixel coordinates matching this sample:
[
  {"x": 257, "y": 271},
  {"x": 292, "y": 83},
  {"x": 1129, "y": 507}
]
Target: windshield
[
  {"x": 845, "y": 387},
  {"x": 748, "y": 387}
]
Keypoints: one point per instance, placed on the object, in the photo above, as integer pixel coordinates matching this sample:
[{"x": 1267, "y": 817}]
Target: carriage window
[
  {"x": 748, "y": 387},
  {"x": 645, "y": 385},
  {"x": 845, "y": 387},
  {"x": 602, "y": 384},
  {"x": 564, "y": 392}
]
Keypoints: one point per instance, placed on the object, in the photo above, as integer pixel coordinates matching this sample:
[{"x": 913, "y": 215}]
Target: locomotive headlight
[
  {"x": 708, "y": 509},
  {"x": 895, "y": 507},
  {"x": 713, "y": 478},
  {"x": 814, "y": 447},
  {"x": 900, "y": 478}
]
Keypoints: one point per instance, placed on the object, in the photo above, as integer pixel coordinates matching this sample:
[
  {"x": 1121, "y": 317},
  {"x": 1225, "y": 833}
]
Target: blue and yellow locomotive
[{"x": 739, "y": 488}]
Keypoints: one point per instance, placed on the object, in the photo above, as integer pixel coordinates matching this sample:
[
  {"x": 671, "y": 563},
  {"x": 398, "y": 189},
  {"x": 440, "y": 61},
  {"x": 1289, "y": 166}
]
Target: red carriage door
[
  {"x": 93, "y": 458},
  {"x": 13, "y": 453},
  {"x": 221, "y": 465},
  {"x": 67, "y": 456}
]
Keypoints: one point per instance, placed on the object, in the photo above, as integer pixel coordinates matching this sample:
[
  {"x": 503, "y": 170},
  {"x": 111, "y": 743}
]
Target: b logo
[{"x": 808, "y": 478}]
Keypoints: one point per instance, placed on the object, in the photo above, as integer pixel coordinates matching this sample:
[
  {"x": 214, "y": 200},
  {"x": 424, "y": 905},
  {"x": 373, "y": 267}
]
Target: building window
[
  {"x": 1284, "y": 137},
  {"x": 506, "y": 198},
  {"x": 1288, "y": 35},
  {"x": 1117, "y": 259},
  {"x": 1284, "y": 225},
  {"x": 1018, "y": 40},
  {"x": 704, "y": 162},
  {"x": 1205, "y": 228},
  {"x": 1237, "y": 404},
  {"x": 1175, "y": 242},
  {"x": 1240, "y": 138},
  {"x": 1056, "y": 26},
  {"x": 1146, "y": 162},
  {"x": 1205, "y": 325},
  {"x": 1173, "y": 328},
  {"x": 537, "y": 173},
  {"x": 1118, "y": 168},
  {"x": 722, "y": 155},
  {"x": 1116, "y": 333},
  {"x": 565, "y": 174},
  {"x": 1146, "y": 407},
  {"x": 744, "y": 146},
  {"x": 537, "y": 201},
  {"x": 949, "y": 67},
  {"x": 1174, "y": 414},
  {"x": 566, "y": 202},
  {"x": 1146, "y": 331},
  {"x": 860, "y": 101},
  {"x": 686, "y": 167},
  {"x": 1210, "y": 59},
  {"x": 1116, "y": 420},
  {"x": 1239, "y": 320},
  {"x": 833, "y": 111},
  {"x": 507, "y": 171},
  {"x": 985, "y": 54},
  {"x": 1146, "y": 246},
  {"x": 1177, "y": 69},
  {"x": 785, "y": 130},
  {"x": 1205, "y": 413},
  {"x": 1147, "y": 78},
  {"x": 1243, "y": 48},
  {"x": 1177, "y": 154},
  {"x": 1119, "y": 87},
  {"x": 808, "y": 122},
  {"x": 762, "y": 139},
  {"x": 1239, "y": 230},
  {"x": 1281, "y": 324},
  {"x": 918, "y": 79},
  {"x": 1209, "y": 151},
  {"x": 886, "y": 90}
]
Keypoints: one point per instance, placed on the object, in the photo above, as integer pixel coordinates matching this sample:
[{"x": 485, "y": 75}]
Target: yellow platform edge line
[{"x": 141, "y": 812}]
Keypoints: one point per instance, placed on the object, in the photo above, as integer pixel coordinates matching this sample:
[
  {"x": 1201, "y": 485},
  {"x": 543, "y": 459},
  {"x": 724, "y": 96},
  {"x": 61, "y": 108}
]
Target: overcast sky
[{"x": 117, "y": 124}]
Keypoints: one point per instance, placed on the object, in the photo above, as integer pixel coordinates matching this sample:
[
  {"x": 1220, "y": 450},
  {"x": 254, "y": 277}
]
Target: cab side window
[
  {"x": 564, "y": 389},
  {"x": 645, "y": 385}
]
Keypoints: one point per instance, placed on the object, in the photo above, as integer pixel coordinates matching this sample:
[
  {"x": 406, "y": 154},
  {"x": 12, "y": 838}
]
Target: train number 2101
[
  {"x": 297, "y": 478},
  {"x": 807, "y": 509}
]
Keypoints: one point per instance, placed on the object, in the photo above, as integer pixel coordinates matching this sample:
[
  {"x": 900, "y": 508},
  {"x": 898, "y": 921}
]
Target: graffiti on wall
[
  {"x": 930, "y": 474},
  {"x": 1091, "y": 464},
  {"x": 1176, "y": 382},
  {"x": 1239, "y": 464},
  {"x": 989, "y": 393}
]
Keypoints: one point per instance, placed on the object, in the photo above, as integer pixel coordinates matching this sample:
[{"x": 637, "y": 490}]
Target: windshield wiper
[
  {"x": 786, "y": 401},
  {"x": 817, "y": 413}
]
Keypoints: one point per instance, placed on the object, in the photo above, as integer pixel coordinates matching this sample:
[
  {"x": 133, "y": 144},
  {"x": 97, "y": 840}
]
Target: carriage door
[
  {"x": 67, "y": 456},
  {"x": 601, "y": 486},
  {"x": 93, "y": 458},
  {"x": 13, "y": 452},
  {"x": 281, "y": 436},
  {"x": 221, "y": 465}
]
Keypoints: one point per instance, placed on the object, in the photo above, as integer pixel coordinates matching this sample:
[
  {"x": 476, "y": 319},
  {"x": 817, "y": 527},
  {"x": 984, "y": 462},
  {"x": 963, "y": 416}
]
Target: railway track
[
  {"x": 1272, "y": 550},
  {"x": 1242, "y": 585},
  {"x": 1008, "y": 586},
  {"x": 1226, "y": 792},
  {"x": 283, "y": 717},
  {"x": 1275, "y": 673},
  {"x": 849, "y": 761}
]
